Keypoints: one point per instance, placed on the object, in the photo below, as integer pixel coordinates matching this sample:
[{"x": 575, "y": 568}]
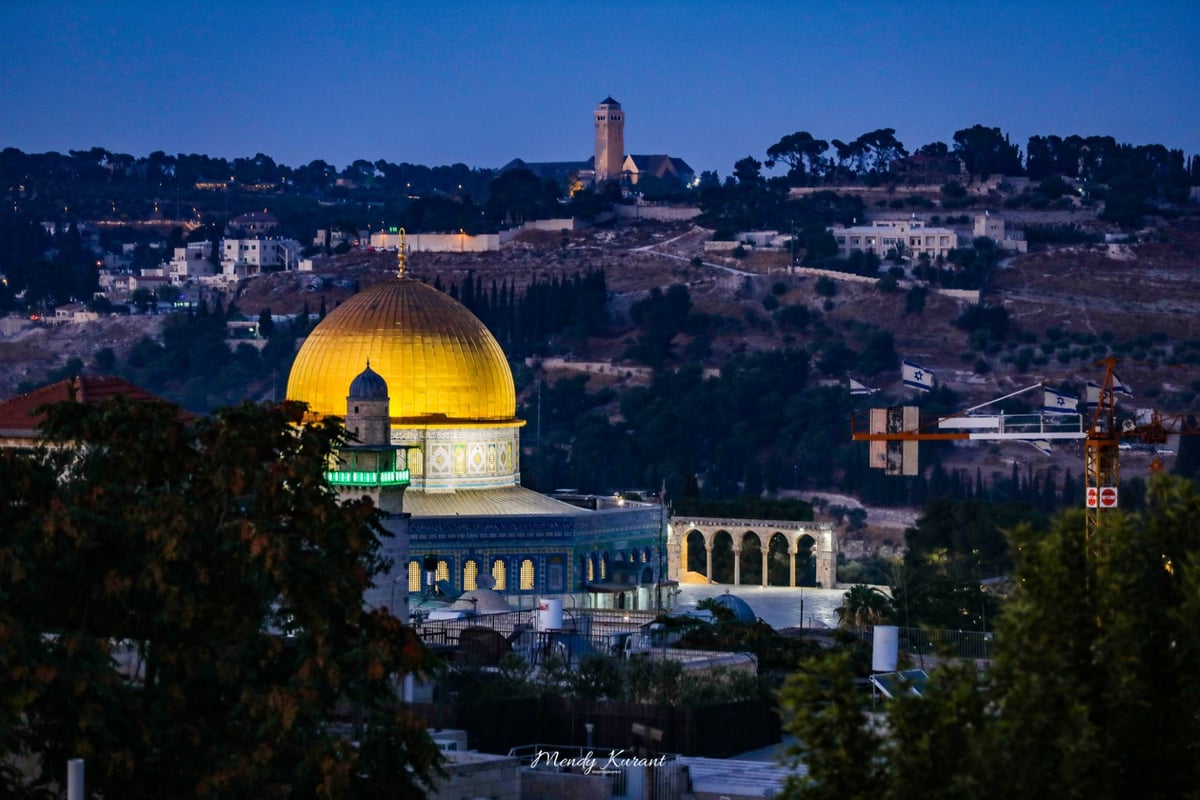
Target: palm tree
[{"x": 864, "y": 606}]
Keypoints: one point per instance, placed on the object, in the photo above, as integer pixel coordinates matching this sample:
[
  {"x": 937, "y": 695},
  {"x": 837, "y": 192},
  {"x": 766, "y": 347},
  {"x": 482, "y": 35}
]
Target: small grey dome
[
  {"x": 740, "y": 608},
  {"x": 368, "y": 385}
]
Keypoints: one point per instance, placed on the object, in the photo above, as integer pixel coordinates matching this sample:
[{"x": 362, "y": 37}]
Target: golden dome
[{"x": 441, "y": 364}]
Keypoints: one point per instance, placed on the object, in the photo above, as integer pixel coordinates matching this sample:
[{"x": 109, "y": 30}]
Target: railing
[
  {"x": 916, "y": 643},
  {"x": 955, "y": 644},
  {"x": 394, "y": 477}
]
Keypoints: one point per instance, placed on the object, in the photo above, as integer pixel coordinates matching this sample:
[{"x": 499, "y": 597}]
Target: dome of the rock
[{"x": 441, "y": 365}]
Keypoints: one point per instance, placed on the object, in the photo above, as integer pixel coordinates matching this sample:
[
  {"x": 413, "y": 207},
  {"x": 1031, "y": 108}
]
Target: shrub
[{"x": 825, "y": 287}]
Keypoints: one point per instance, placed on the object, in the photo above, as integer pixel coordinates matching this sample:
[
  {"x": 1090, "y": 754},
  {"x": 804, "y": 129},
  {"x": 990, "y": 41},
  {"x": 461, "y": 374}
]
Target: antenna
[{"x": 402, "y": 254}]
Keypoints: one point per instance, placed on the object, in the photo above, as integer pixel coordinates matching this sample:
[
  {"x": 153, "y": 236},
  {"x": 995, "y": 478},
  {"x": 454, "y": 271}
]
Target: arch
[
  {"x": 749, "y": 559},
  {"x": 528, "y": 575},
  {"x": 589, "y": 567},
  {"x": 500, "y": 574},
  {"x": 721, "y": 550},
  {"x": 414, "y": 576},
  {"x": 779, "y": 561},
  {"x": 803, "y": 556},
  {"x": 646, "y": 555},
  {"x": 470, "y": 575},
  {"x": 695, "y": 548},
  {"x": 443, "y": 571},
  {"x": 604, "y": 566},
  {"x": 788, "y": 552}
]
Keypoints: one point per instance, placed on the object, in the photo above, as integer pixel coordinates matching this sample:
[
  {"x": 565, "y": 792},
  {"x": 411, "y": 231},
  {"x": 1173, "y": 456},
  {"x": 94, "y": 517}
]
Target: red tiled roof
[{"x": 17, "y": 413}]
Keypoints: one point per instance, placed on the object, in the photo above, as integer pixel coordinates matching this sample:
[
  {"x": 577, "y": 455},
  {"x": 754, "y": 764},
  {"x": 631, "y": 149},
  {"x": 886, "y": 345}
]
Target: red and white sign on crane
[{"x": 1102, "y": 497}]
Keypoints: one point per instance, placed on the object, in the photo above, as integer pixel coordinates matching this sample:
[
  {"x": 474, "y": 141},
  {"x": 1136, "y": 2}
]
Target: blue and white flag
[
  {"x": 1093, "y": 394},
  {"x": 916, "y": 376},
  {"x": 1120, "y": 387},
  {"x": 1058, "y": 403},
  {"x": 857, "y": 388}
]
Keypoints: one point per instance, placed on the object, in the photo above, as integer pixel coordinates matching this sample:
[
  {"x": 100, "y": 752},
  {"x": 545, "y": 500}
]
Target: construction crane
[{"x": 895, "y": 433}]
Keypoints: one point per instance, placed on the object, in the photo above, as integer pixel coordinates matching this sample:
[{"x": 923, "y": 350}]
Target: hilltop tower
[{"x": 610, "y": 140}]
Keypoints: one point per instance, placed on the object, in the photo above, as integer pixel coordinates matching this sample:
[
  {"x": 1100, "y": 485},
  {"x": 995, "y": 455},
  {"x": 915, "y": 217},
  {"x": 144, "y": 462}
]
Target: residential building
[
  {"x": 253, "y": 223},
  {"x": 992, "y": 226},
  {"x": 191, "y": 261},
  {"x": 246, "y": 257},
  {"x": 73, "y": 312},
  {"x": 21, "y": 417},
  {"x": 909, "y": 237}
]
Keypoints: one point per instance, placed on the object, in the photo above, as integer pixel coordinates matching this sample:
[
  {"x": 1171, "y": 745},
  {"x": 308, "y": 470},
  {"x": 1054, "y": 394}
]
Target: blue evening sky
[{"x": 484, "y": 82}]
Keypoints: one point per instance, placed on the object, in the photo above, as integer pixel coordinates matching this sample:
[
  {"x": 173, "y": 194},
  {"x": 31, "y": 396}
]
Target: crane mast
[{"x": 1101, "y": 455}]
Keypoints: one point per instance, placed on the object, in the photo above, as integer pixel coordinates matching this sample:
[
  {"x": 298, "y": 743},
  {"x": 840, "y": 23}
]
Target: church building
[{"x": 609, "y": 162}]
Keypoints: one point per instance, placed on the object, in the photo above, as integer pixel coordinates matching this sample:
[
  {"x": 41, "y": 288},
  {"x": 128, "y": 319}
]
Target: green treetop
[{"x": 181, "y": 606}]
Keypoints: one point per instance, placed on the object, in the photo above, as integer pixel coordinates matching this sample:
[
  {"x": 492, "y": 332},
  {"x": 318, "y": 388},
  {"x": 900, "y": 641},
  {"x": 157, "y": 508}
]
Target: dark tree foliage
[
  {"x": 182, "y": 608},
  {"x": 567, "y": 307},
  {"x": 984, "y": 316},
  {"x": 661, "y": 316},
  {"x": 518, "y": 195},
  {"x": 987, "y": 151},
  {"x": 1090, "y": 691}
]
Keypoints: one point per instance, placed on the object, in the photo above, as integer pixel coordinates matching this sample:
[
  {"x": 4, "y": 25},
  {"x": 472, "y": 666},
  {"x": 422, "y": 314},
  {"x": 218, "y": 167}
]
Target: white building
[
  {"x": 246, "y": 257},
  {"x": 910, "y": 237},
  {"x": 191, "y": 261},
  {"x": 993, "y": 227},
  {"x": 73, "y": 312}
]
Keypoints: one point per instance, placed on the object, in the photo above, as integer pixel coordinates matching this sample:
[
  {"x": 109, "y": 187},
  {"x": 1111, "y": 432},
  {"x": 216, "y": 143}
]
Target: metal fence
[{"x": 921, "y": 643}]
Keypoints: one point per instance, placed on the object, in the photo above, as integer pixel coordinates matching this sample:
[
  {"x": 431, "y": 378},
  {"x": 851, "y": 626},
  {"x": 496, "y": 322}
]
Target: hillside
[{"x": 1067, "y": 306}]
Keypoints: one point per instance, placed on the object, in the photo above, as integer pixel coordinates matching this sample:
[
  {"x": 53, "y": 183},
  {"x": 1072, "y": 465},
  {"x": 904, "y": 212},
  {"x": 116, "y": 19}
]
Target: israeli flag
[
  {"x": 1058, "y": 403},
  {"x": 915, "y": 376},
  {"x": 1120, "y": 387},
  {"x": 857, "y": 388},
  {"x": 1093, "y": 394}
]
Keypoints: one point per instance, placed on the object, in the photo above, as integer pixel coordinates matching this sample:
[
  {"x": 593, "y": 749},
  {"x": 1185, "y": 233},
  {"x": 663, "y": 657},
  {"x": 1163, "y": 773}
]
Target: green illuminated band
[{"x": 395, "y": 477}]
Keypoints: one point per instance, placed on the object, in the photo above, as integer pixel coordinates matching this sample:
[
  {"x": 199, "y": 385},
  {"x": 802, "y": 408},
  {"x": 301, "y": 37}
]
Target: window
[
  {"x": 591, "y": 567},
  {"x": 470, "y": 575},
  {"x": 443, "y": 571},
  {"x": 527, "y": 575},
  {"x": 500, "y": 575},
  {"x": 414, "y": 576}
]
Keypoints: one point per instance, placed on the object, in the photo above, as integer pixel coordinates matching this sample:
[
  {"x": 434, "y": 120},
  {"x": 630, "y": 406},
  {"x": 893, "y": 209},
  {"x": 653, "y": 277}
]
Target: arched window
[
  {"x": 527, "y": 575},
  {"x": 443, "y": 571},
  {"x": 591, "y": 567},
  {"x": 470, "y": 573},
  {"x": 500, "y": 574},
  {"x": 414, "y": 576}
]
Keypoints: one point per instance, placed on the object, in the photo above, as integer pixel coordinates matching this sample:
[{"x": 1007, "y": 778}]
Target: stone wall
[
  {"x": 658, "y": 213},
  {"x": 537, "y": 785},
  {"x": 479, "y": 775}
]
